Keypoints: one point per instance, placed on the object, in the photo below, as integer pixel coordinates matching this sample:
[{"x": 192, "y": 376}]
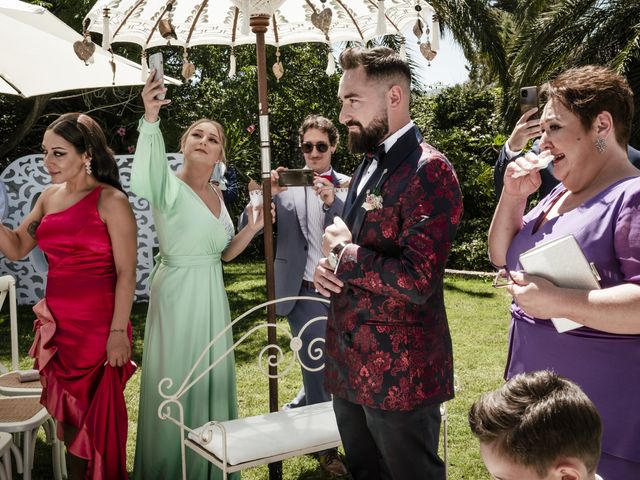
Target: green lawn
[{"x": 479, "y": 322}]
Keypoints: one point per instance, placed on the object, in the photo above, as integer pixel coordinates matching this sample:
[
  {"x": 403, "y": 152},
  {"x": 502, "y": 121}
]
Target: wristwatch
[{"x": 334, "y": 254}]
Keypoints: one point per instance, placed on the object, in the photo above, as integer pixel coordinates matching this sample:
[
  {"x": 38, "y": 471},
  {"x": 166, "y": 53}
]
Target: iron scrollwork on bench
[{"x": 234, "y": 445}]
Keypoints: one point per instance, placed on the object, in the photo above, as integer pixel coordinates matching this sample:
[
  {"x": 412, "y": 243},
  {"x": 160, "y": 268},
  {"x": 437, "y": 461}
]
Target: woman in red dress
[{"x": 84, "y": 224}]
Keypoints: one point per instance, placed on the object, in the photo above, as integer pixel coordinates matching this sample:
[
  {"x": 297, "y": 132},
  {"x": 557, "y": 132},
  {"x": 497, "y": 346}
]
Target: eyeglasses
[
  {"x": 307, "y": 147},
  {"x": 503, "y": 278}
]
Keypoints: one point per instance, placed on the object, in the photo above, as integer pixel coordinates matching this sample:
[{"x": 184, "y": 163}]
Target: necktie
[{"x": 328, "y": 177}]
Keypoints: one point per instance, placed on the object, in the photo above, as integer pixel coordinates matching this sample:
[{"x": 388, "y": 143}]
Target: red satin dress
[{"x": 72, "y": 328}]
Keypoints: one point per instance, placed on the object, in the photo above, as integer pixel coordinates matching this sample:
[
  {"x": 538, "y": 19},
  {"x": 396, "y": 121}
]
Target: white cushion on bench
[{"x": 272, "y": 434}]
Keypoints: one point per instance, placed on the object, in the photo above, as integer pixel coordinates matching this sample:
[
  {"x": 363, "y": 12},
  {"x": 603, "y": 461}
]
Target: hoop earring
[
  {"x": 601, "y": 145},
  {"x": 87, "y": 167}
]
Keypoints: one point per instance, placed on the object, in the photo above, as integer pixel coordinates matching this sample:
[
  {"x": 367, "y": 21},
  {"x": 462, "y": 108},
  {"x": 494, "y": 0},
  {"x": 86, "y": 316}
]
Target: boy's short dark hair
[{"x": 536, "y": 418}]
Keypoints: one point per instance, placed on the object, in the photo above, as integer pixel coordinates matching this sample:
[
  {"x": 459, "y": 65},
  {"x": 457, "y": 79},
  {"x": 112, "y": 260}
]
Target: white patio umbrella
[
  {"x": 38, "y": 55},
  {"x": 227, "y": 22},
  {"x": 187, "y": 23}
]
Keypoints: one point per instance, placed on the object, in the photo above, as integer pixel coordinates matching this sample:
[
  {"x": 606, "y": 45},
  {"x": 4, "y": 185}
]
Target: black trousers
[{"x": 390, "y": 445}]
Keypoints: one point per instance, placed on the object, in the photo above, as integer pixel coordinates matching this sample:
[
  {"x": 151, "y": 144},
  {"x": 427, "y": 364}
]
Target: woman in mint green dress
[{"x": 188, "y": 305}]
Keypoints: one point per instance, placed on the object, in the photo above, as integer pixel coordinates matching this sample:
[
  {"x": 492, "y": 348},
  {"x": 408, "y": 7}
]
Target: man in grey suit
[{"x": 302, "y": 213}]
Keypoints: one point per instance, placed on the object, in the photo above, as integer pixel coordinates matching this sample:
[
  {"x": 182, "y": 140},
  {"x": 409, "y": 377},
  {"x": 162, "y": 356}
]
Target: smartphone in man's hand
[
  {"x": 156, "y": 63},
  {"x": 295, "y": 178},
  {"x": 528, "y": 99}
]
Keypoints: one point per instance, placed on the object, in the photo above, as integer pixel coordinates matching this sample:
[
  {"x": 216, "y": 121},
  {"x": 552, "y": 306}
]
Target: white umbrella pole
[{"x": 259, "y": 25}]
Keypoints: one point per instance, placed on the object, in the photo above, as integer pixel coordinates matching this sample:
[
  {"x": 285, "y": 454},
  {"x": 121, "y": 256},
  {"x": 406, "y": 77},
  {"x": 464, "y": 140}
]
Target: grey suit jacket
[{"x": 292, "y": 243}]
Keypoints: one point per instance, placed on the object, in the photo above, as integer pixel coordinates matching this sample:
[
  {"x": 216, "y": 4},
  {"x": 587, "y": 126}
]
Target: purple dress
[{"x": 605, "y": 365}]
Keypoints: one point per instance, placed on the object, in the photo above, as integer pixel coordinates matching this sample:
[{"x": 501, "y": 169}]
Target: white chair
[
  {"x": 5, "y": 456},
  {"x": 10, "y": 384},
  {"x": 24, "y": 416},
  {"x": 21, "y": 412}
]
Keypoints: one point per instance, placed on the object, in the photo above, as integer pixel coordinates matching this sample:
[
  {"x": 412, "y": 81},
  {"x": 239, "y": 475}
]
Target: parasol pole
[{"x": 259, "y": 25}]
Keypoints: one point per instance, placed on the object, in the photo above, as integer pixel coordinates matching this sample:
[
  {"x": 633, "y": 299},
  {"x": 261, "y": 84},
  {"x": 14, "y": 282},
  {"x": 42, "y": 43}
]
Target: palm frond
[
  {"x": 576, "y": 32},
  {"x": 476, "y": 26}
]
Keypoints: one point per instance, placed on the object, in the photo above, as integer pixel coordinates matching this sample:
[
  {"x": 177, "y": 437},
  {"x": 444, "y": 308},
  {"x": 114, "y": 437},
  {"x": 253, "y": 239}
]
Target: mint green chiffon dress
[{"x": 188, "y": 306}]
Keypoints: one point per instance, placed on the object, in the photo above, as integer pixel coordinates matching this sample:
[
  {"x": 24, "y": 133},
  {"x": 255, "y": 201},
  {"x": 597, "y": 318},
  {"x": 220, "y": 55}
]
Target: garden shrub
[{"x": 461, "y": 121}]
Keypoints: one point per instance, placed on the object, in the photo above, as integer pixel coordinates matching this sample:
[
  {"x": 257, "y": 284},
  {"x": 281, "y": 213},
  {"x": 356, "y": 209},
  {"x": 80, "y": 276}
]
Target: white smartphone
[{"x": 156, "y": 62}]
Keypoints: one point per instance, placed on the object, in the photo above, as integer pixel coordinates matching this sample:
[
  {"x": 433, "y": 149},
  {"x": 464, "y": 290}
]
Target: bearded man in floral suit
[{"x": 389, "y": 357}]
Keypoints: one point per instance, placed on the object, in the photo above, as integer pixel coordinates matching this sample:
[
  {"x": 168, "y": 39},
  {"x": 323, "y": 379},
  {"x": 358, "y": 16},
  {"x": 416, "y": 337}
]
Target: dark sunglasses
[{"x": 307, "y": 147}]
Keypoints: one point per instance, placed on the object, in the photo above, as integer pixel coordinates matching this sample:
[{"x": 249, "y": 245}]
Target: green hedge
[{"x": 462, "y": 123}]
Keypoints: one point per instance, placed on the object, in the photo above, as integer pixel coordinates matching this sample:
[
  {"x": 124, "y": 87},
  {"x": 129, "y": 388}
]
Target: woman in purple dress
[{"x": 586, "y": 126}]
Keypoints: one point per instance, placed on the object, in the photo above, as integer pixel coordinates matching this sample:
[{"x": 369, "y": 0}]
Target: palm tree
[
  {"x": 476, "y": 26},
  {"x": 556, "y": 35}
]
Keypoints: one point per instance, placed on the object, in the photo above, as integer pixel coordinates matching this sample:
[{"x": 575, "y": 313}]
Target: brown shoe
[{"x": 332, "y": 463}]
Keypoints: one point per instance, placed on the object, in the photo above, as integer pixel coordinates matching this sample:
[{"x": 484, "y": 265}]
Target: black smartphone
[
  {"x": 529, "y": 99},
  {"x": 295, "y": 178},
  {"x": 156, "y": 62}
]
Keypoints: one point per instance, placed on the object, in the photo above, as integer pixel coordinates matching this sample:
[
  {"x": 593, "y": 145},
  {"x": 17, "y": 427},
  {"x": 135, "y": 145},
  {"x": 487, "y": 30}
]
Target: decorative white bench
[
  {"x": 234, "y": 445},
  {"x": 251, "y": 441}
]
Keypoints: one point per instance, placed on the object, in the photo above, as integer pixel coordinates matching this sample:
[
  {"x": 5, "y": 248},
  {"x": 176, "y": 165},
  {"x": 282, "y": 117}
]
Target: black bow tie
[{"x": 376, "y": 153}]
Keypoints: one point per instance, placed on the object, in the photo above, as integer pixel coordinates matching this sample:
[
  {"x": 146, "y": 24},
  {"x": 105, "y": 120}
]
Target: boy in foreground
[{"x": 538, "y": 426}]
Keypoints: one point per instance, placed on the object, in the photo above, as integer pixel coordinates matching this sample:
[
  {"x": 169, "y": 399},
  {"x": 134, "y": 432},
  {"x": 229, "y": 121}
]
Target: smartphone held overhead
[
  {"x": 295, "y": 178},
  {"x": 157, "y": 63},
  {"x": 529, "y": 99}
]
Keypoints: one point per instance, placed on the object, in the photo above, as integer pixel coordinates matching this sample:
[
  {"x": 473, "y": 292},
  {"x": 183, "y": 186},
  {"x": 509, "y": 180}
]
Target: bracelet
[{"x": 117, "y": 330}]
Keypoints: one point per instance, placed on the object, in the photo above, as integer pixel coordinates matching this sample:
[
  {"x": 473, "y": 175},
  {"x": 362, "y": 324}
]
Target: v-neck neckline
[
  {"x": 218, "y": 218},
  {"x": 540, "y": 220}
]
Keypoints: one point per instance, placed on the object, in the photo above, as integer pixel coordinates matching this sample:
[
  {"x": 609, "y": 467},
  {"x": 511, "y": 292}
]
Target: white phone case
[{"x": 156, "y": 62}]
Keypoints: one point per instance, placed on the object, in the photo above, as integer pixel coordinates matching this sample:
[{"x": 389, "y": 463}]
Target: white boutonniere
[{"x": 373, "y": 199}]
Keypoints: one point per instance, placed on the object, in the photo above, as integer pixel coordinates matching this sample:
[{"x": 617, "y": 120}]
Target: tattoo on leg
[{"x": 33, "y": 226}]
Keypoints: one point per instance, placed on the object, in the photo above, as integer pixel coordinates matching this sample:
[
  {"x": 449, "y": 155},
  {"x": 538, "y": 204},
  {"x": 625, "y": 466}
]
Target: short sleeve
[{"x": 627, "y": 237}]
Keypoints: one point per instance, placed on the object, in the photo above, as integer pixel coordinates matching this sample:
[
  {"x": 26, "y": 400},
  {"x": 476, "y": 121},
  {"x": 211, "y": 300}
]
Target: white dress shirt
[{"x": 388, "y": 143}]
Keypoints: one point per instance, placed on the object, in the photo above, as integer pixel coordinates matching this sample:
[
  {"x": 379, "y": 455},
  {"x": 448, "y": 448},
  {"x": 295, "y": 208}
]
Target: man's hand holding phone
[
  {"x": 276, "y": 188},
  {"x": 528, "y": 126},
  {"x": 282, "y": 178}
]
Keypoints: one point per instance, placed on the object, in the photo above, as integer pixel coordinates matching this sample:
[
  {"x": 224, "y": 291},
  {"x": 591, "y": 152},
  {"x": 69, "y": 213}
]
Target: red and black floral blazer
[{"x": 387, "y": 342}]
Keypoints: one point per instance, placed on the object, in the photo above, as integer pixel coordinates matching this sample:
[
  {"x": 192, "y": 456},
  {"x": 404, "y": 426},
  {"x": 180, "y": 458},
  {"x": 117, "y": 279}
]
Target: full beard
[{"x": 367, "y": 138}]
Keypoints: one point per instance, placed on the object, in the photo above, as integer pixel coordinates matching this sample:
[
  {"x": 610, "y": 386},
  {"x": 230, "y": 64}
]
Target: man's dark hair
[
  {"x": 320, "y": 123},
  {"x": 379, "y": 63},
  {"x": 536, "y": 418}
]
